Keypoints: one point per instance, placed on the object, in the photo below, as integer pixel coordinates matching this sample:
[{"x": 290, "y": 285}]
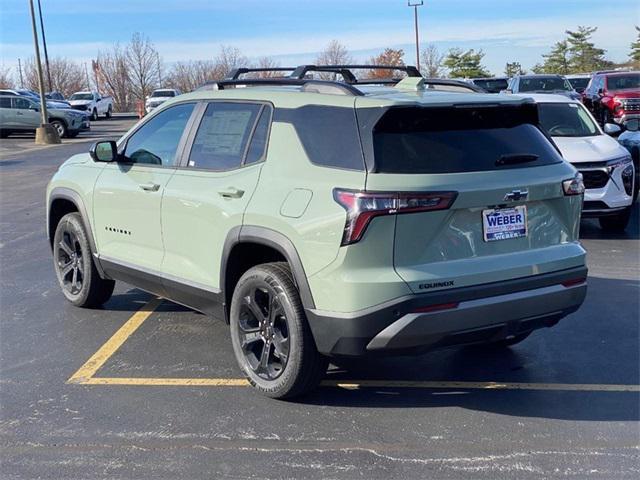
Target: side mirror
[
  {"x": 612, "y": 129},
  {"x": 105, "y": 151},
  {"x": 632, "y": 125},
  {"x": 601, "y": 92}
]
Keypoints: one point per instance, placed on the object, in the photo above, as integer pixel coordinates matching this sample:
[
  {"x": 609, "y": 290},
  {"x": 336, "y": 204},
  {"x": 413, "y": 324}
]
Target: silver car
[{"x": 22, "y": 114}]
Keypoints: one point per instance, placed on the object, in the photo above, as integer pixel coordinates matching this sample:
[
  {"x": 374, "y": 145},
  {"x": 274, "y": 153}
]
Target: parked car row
[{"x": 21, "y": 113}]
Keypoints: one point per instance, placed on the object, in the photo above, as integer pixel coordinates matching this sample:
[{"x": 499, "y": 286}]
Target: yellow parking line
[
  {"x": 85, "y": 374},
  {"x": 357, "y": 384},
  {"x": 99, "y": 358}
]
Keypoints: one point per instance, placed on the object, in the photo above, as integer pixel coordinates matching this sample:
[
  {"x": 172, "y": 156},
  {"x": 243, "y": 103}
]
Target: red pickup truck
[{"x": 613, "y": 96}]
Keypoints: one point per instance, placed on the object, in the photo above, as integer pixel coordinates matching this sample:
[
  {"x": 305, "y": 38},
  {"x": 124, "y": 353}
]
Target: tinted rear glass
[
  {"x": 449, "y": 140},
  {"x": 622, "y": 82},
  {"x": 492, "y": 86},
  {"x": 543, "y": 84},
  {"x": 329, "y": 134},
  {"x": 577, "y": 83}
]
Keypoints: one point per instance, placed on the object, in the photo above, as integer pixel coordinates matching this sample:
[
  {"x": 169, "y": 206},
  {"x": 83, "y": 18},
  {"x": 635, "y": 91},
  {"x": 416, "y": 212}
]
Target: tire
[
  {"x": 280, "y": 358},
  {"x": 60, "y": 126},
  {"x": 77, "y": 274},
  {"x": 4, "y": 133},
  {"x": 109, "y": 112},
  {"x": 94, "y": 115},
  {"x": 507, "y": 342},
  {"x": 616, "y": 223}
]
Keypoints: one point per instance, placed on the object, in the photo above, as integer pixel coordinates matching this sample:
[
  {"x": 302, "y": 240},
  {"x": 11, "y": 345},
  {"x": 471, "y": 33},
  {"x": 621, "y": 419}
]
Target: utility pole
[
  {"x": 159, "y": 71},
  {"x": 20, "y": 70},
  {"x": 46, "y": 133},
  {"x": 44, "y": 44},
  {"x": 415, "y": 6}
]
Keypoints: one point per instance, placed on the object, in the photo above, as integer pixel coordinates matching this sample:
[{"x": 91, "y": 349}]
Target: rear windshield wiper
[{"x": 515, "y": 158}]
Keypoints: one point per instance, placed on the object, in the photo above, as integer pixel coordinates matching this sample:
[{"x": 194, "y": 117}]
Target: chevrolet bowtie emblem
[{"x": 516, "y": 195}]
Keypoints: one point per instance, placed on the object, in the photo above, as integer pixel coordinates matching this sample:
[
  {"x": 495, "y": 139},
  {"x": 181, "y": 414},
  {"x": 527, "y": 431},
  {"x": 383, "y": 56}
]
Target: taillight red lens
[{"x": 362, "y": 207}]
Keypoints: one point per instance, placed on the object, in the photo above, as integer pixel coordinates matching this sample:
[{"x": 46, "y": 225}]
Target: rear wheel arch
[{"x": 248, "y": 246}]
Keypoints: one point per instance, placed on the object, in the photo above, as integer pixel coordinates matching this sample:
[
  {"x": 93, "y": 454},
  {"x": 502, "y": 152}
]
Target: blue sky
[{"x": 294, "y": 31}]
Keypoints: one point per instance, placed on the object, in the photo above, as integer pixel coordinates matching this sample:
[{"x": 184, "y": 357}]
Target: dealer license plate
[{"x": 504, "y": 223}]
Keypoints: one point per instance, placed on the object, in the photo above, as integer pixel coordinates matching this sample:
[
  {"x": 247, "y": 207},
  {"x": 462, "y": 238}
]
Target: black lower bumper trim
[{"x": 349, "y": 334}]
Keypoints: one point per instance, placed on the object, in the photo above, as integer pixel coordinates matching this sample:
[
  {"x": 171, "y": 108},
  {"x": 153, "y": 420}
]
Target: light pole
[
  {"x": 415, "y": 6},
  {"x": 46, "y": 133},
  {"x": 44, "y": 44}
]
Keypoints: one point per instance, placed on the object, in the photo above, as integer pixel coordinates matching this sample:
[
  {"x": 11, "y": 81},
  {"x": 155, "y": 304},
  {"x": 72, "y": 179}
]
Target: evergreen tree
[
  {"x": 634, "y": 56},
  {"x": 465, "y": 64},
  {"x": 556, "y": 61},
  {"x": 585, "y": 57},
  {"x": 513, "y": 68}
]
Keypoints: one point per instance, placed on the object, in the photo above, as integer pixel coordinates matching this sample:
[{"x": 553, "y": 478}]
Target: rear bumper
[{"x": 415, "y": 324}]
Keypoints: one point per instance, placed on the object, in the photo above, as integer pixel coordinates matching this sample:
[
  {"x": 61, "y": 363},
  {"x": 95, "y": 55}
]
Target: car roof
[
  {"x": 546, "y": 98},
  {"x": 373, "y": 96}
]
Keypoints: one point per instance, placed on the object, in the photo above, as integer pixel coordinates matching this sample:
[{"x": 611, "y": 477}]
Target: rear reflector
[
  {"x": 362, "y": 207},
  {"x": 436, "y": 308},
  {"x": 574, "y": 281}
]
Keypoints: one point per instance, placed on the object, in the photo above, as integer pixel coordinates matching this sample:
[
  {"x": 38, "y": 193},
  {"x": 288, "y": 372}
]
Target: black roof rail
[
  {"x": 236, "y": 72},
  {"x": 347, "y": 74},
  {"x": 306, "y": 84}
]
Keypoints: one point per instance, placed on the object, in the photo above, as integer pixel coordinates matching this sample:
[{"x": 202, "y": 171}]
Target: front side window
[
  {"x": 156, "y": 142},
  {"x": 223, "y": 135},
  {"x": 21, "y": 103},
  {"x": 566, "y": 120}
]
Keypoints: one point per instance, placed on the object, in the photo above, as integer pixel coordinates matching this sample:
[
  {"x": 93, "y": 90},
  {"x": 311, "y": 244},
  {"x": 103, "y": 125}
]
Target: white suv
[
  {"x": 605, "y": 165},
  {"x": 159, "y": 96}
]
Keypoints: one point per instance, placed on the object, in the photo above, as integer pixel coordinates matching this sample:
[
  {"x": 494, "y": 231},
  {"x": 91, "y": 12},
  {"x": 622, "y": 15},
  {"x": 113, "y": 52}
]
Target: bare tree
[
  {"x": 142, "y": 63},
  {"x": 6, "y": 80},
  {"x": 432, "y": 62},
  {"x": 334, "y": 54},
  {"x": 187, "y": 76},
  {"x": 67, "y": 76},
  {"x": 390, "y": 56},
  {"x": 113, "y": 76},
  {"x": 268, "y": 62},
  {"x": 228, "y": 59}
]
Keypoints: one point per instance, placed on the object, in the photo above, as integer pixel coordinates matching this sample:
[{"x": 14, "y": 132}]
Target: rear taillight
[
  {"x": 362, "y": 207},
  {"x": 573, "y": 186}
]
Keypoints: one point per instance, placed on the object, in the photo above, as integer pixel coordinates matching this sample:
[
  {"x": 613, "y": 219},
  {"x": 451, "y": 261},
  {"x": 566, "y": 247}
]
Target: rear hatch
[{"x": 508, "y": 217}]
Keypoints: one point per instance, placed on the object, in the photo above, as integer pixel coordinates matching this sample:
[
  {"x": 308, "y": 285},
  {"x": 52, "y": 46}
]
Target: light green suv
[{"x": 329, "y": 219}]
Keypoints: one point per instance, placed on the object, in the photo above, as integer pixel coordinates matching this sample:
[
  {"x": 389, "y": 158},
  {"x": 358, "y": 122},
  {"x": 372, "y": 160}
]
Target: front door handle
[
  {"x": 231, "y": 192},
  {"x": 19, "y": 113},
  {"x": 150, "y": 187}
]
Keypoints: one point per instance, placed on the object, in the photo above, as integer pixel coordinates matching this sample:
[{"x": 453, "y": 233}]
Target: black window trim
[
  {"x": 183, "y": 163},
  {"x": 181, "y": 143}
]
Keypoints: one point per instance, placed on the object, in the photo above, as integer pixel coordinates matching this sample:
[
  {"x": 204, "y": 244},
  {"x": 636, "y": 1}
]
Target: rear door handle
[
  {"x": 231, "y": 192},
  {"x": 19, "y": 113},
  {"x": 150, "y": 187}
]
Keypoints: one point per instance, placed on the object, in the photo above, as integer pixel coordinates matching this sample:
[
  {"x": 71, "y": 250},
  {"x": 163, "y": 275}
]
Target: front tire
[
  {"x": 77, "y": 274},
  {"x": 60, "y": 127},
  {"x": 616, "y": 223},
  {"x": 94, "y": 115},
  {"x": 109, "y": 112},
  {"x": 271, "y": 338}
]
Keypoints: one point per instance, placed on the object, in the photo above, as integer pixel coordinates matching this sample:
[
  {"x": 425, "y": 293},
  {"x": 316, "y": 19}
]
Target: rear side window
[
  {"x": 223, "y": 135},
  {"x": 5, "y": 102},
  {"x": 451, "y": 140},
  {"x": 329, "y": 135},
  {"x": 258, "y": 145}
]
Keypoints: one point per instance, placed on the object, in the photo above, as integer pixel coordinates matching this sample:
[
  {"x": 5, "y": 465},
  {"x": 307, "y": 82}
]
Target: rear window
[
  {"x": 544, "y": 84},
  {"x": 451, "y": 140},
  {"x": 493, "y": 85},
  {"x": 622, "y": 82}
]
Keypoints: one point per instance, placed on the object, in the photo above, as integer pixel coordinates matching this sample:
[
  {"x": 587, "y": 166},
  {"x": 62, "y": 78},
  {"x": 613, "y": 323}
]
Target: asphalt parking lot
[{"x": 147, "y": 388}]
